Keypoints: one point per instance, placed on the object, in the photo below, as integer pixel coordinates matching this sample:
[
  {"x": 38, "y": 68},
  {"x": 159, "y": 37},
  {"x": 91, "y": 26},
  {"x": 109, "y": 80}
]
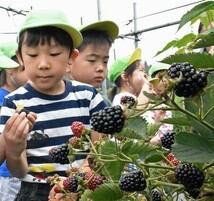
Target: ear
[
  {"x": 68, "y": 69},
  {"x": 73, "y": 55},
  {"x": 124, "y": 76},
  {"x": 19, "y": 57}
]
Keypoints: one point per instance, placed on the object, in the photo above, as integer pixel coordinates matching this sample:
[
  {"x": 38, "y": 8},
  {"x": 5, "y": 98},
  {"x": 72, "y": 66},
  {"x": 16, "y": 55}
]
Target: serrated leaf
[
  {"x": 185, "y": 40},
  {"x": 152, "y": 128},
  {"x": 198, "y": 60},
  {"x": 196, "y": 11},
  {"x": 129, "y": 133},
  {"x": 182, "y": 121},
  {"x": 168, "y": 46},
  {"x": 138, "y": 124},
  {"x": 193, "y": 148},
  {"x": 205, "y": 39},
  {"x": 107, "y": 192}
]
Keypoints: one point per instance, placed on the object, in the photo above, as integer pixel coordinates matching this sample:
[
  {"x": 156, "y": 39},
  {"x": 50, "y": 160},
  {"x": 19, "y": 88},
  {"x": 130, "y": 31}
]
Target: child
[
  {"x": 10, "y": 79},
  {"x": 91, "y": 64},
  {"x": 129, "y": 77},
  {"x": 46, "y": 47},
  {"x": 5, "y": 63}
]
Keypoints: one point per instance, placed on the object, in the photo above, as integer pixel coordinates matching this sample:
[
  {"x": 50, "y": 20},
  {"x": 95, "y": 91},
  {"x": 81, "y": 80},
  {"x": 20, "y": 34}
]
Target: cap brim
[
  {"x": 136, "y": 55},
  {"x": 110, "y": 27},
  {"x": 158, "y": 66},
  {"x": 6, "y": 62}
]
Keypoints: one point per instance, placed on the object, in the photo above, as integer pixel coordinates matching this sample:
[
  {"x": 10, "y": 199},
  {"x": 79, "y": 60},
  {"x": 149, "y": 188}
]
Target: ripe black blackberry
[
  {"x": 167, "y": 140},
  {"x": 132, "y": 181},
  {"x": 128, "y": 101},
  {"x": 194, "y": 193},
  {"x": 190, "y": 176},
  {"x": 70, "y": 184},
  {"x": 60, "y": 154},
  {"x": 192, "y": 80},
  {"x": 110, "y": 120},
  {"x": 156, "y": 195}
]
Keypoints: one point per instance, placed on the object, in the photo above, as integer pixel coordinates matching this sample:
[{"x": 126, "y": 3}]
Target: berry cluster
[
  {"x": 167, "y": 140},
  {"x": 132, "y": 181},
  {"x": 60, "y": 154},
  {"x": 128, "y": 101},
  {"x": 192, "y": 80},
  {"x": 110, "y": 120},
  {"x": 191, "y": 177}
]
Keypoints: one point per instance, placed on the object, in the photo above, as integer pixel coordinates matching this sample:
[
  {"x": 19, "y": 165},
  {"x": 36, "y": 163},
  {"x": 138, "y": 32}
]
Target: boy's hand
[{"x": 16, "y": 131}]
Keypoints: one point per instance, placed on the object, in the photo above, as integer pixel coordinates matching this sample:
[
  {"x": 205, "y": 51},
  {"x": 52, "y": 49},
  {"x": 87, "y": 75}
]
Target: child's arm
[{"x": 15, "y": 133}]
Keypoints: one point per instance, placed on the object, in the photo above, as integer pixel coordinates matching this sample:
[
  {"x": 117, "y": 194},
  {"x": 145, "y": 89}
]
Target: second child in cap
[
  {"x": 130, "y": 79},
  {"x": 90, "y": 66},
  {"x": 46, "y": 47}
]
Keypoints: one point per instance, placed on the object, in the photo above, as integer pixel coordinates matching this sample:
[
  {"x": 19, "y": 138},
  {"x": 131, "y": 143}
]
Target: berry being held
[
  {"x": 110, "y": 120},
  {"x": 190, "y": 176},
  {"x": 77, "y": 128},
  {"x": 192, "y": 80},
  {"x": 127, "y": 101},
  {"x": 70, "y": 184},
  {"x": 167, "y": 140},
  {"x": 156, "y": 195},
  {"x": 132, "y": 181},
  {"x": 60, "y": 154}
]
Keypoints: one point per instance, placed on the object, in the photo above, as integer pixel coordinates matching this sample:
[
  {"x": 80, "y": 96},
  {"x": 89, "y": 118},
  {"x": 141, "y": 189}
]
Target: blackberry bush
[
  {"x": 110, "y": 120},
  {"x": 132, "y": 181},
  {"x": 156, "y": 195}
]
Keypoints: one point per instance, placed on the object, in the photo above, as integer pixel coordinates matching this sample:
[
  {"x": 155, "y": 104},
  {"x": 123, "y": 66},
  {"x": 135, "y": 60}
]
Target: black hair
[
  {"x": 42, "y": 35},
  {"x": 117, "y": 84},
  {"x": 95, "y": 37}
]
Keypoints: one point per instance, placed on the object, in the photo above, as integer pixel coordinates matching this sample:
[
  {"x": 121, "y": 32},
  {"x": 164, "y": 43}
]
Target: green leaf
[
  {"x": 196, "y": 11},
  {"x": 129, "y": 133},
  {"x": 198, "y": 60},
  {"x": 185, "y": 40},
  {"x": 182, "y": 121},
  {"x": 168, "y": 46},
  {"x": 205, "y": 39},
  {"x": 107, "y": 192},
  {"x": 153, "y": 128},
  {"x": 193, "y": 148}
]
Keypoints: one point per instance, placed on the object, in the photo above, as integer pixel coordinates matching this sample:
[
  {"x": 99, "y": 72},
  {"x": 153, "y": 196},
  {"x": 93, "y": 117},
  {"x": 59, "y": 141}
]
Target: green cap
[
  {"x": 9, "y": 48},
  {"x": 6, "y": 62},
  {"x": 109, "y": 26},
  {"x": 121, "y": 64},
  {"x": 56, "y": 18},
  {"x": 157, "y": 66}
]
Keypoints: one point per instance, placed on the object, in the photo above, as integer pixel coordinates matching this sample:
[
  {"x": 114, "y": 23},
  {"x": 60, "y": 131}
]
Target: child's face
[
  {"x": 90, "y": 66},
  {"x": 45, "y": 66},
  {"x": 138, "y": 78}
]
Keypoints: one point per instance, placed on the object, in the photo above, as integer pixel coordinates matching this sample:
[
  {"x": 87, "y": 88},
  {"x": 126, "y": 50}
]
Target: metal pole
[
  {"x": 104, "y": 85},
  {"x": 135, "y": 25}
]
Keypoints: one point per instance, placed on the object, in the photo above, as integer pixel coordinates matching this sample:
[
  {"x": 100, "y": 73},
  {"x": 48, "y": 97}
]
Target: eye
[
  {"x": 32, "y": 55},
  {"x": 55, "y": 54}
]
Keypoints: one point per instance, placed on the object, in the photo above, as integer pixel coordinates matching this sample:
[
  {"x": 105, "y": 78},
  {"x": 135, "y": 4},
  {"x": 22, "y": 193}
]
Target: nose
[{"x": 44, "y": 63}]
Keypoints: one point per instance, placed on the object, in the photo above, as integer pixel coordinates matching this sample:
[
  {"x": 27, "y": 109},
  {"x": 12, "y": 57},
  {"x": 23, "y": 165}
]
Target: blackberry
[
  {"x": 167, "y": 140},
  {"x": 132, "y": 181},
  {"x": 128, "y": 101},
  {"x": 188, "y": 175},
  {"x": 194, "y": 193},
  {"x": 93, "y": 180},
  {"x": 110, "y": 120},
  {"x": 70, "y": 184},
  {"x": 192, "y": 80},
  {"x": 60, "y": 154},
  {"x": 156, "y": 195}
]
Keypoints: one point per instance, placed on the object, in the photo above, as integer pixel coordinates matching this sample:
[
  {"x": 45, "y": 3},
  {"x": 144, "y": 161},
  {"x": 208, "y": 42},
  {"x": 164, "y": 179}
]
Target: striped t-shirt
[{"x": 55, "y": 113}]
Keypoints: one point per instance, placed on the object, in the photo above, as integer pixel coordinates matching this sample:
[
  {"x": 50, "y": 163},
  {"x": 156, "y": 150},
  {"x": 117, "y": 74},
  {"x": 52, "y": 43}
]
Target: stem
[
  {"x": 208, "y": 166},
  {"x": 210, "y": 110},
  {"x": 161, "y": 183}
]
